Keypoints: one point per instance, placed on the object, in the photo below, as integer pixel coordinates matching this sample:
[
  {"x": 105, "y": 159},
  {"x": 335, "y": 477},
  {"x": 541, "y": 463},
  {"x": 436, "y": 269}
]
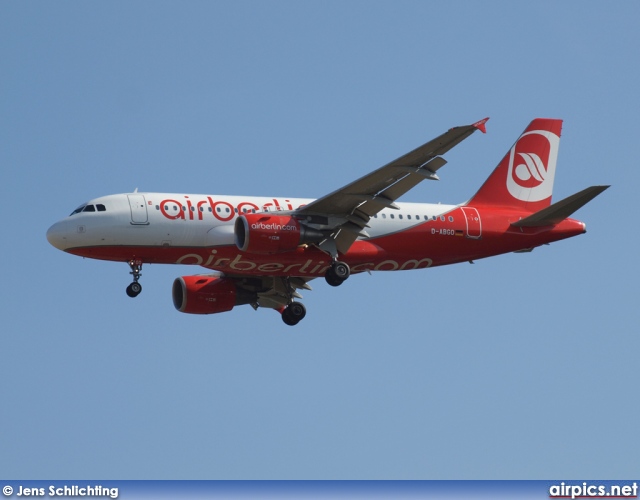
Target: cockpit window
[
  {"x": 89, "y": 208},
  {"x": 78, "y": 210}
]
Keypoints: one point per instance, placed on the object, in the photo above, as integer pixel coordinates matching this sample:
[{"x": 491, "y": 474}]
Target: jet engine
[
  {"x": 204, "y": 294},
  {"x": 268, "y": 234}
]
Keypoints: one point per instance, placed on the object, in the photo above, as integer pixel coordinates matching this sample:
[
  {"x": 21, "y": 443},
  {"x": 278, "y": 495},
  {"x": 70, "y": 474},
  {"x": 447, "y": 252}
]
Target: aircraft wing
[{"x": 348, "y": 210}]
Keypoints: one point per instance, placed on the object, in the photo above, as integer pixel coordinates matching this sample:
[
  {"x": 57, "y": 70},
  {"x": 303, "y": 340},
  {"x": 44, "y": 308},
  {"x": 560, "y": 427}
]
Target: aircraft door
[
  {"x": 474, "y": 224},
  {"x": 138, "y": 206}
]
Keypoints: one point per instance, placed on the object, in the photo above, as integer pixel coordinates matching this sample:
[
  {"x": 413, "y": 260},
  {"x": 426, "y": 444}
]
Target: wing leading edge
[{"x": 347, "y": 211}]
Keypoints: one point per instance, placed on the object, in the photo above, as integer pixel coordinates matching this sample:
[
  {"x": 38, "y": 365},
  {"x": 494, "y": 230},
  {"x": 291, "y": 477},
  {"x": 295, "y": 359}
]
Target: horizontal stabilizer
[{"x": 560, "y": 210}]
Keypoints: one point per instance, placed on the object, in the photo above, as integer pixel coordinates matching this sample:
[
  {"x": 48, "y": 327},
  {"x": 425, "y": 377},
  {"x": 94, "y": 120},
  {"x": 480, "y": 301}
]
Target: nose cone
[{"x": 57, "y": 235}]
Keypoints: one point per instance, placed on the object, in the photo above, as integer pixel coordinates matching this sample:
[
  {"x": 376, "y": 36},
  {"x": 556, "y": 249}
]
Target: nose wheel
[{"x": 134, "y": 289}]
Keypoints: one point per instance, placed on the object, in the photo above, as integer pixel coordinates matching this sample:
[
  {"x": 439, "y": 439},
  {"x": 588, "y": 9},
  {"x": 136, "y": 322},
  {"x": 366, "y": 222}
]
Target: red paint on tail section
[{"x": 524, "y": 178}]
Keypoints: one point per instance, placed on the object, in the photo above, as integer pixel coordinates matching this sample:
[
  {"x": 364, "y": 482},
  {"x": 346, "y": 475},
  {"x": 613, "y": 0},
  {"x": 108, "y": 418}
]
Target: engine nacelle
[
  {"x": 203, "y": 294},
  {"x": 266, "y": 233}
]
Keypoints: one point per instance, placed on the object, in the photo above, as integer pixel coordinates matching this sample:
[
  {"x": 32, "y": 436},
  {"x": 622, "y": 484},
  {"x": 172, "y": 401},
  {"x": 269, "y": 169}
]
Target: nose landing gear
[{"x": 134, "y": 289}]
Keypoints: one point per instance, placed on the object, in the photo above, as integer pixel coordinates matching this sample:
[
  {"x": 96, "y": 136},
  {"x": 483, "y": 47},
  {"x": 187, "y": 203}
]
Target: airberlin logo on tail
[
  {"x": 532, "y": 165},
  {"x": 532, "y": 172}
]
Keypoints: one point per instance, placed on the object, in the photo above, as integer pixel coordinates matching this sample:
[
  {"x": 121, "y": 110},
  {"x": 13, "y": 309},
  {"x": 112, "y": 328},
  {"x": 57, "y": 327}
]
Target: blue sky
[{"x": 517, "y": 367}]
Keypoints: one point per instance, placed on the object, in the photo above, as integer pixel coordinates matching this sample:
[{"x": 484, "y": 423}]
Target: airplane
[{"x": 262, "y": 250}]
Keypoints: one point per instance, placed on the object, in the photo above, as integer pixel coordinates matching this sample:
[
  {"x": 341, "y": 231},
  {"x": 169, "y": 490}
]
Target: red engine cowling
[
  {"x": 203, "y": 294},
  {"x": 266, "y": 234}
]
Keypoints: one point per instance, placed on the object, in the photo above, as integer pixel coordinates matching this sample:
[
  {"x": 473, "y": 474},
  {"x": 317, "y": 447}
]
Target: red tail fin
[{"x": 524, "y": 177}]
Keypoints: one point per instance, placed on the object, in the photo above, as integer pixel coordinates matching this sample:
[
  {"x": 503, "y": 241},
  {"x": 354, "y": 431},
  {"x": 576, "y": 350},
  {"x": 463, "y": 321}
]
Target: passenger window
[
  {"x": 400, "y": 216},
  {"x": 426, "y": 217},
  {"x": 89, "y": 208},
  {"x": 442, "y": 218},
  {"x": 450, "y": 219},
  {"x": 392, "y": 216},
  {"x": 409, "y": 217},
  {"x": 384, "y": 216},
  {"x": 210, "y": 209}
]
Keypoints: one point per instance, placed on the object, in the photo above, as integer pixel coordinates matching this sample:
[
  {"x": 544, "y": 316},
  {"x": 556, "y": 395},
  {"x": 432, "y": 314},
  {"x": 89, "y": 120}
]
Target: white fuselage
[{"x": 178, "y": 220}]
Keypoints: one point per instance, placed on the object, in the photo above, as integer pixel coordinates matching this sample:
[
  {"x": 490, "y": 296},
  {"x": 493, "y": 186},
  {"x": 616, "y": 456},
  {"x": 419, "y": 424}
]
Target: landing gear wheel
[
  {"x": 337, "y": 273},
  {"x": 332, "y": 279},
  {"x": 341, "y": 270},
  {"x": 294, "y": 313},
  {"x": 134, "y": 289}
]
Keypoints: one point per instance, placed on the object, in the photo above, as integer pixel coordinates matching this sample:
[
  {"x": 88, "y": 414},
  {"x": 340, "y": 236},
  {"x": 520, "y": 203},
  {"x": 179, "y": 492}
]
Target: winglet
[{"x": 481, "y": 125}]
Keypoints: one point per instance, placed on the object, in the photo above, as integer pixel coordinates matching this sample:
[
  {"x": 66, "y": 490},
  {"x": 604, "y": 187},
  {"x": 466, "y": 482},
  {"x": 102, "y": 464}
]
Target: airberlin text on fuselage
[
  {"x": 224, "y": 211},
  {"x": 310, "y": 267},
  {"x": 221, "y": 210}
]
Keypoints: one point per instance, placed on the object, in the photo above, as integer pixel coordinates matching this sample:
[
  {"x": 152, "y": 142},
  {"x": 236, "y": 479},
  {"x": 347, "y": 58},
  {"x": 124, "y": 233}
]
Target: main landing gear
[
  {"x": 293, "y": 313},
  {"x": 337, "y": 273},
  {"x": 134, "y": 289}
]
